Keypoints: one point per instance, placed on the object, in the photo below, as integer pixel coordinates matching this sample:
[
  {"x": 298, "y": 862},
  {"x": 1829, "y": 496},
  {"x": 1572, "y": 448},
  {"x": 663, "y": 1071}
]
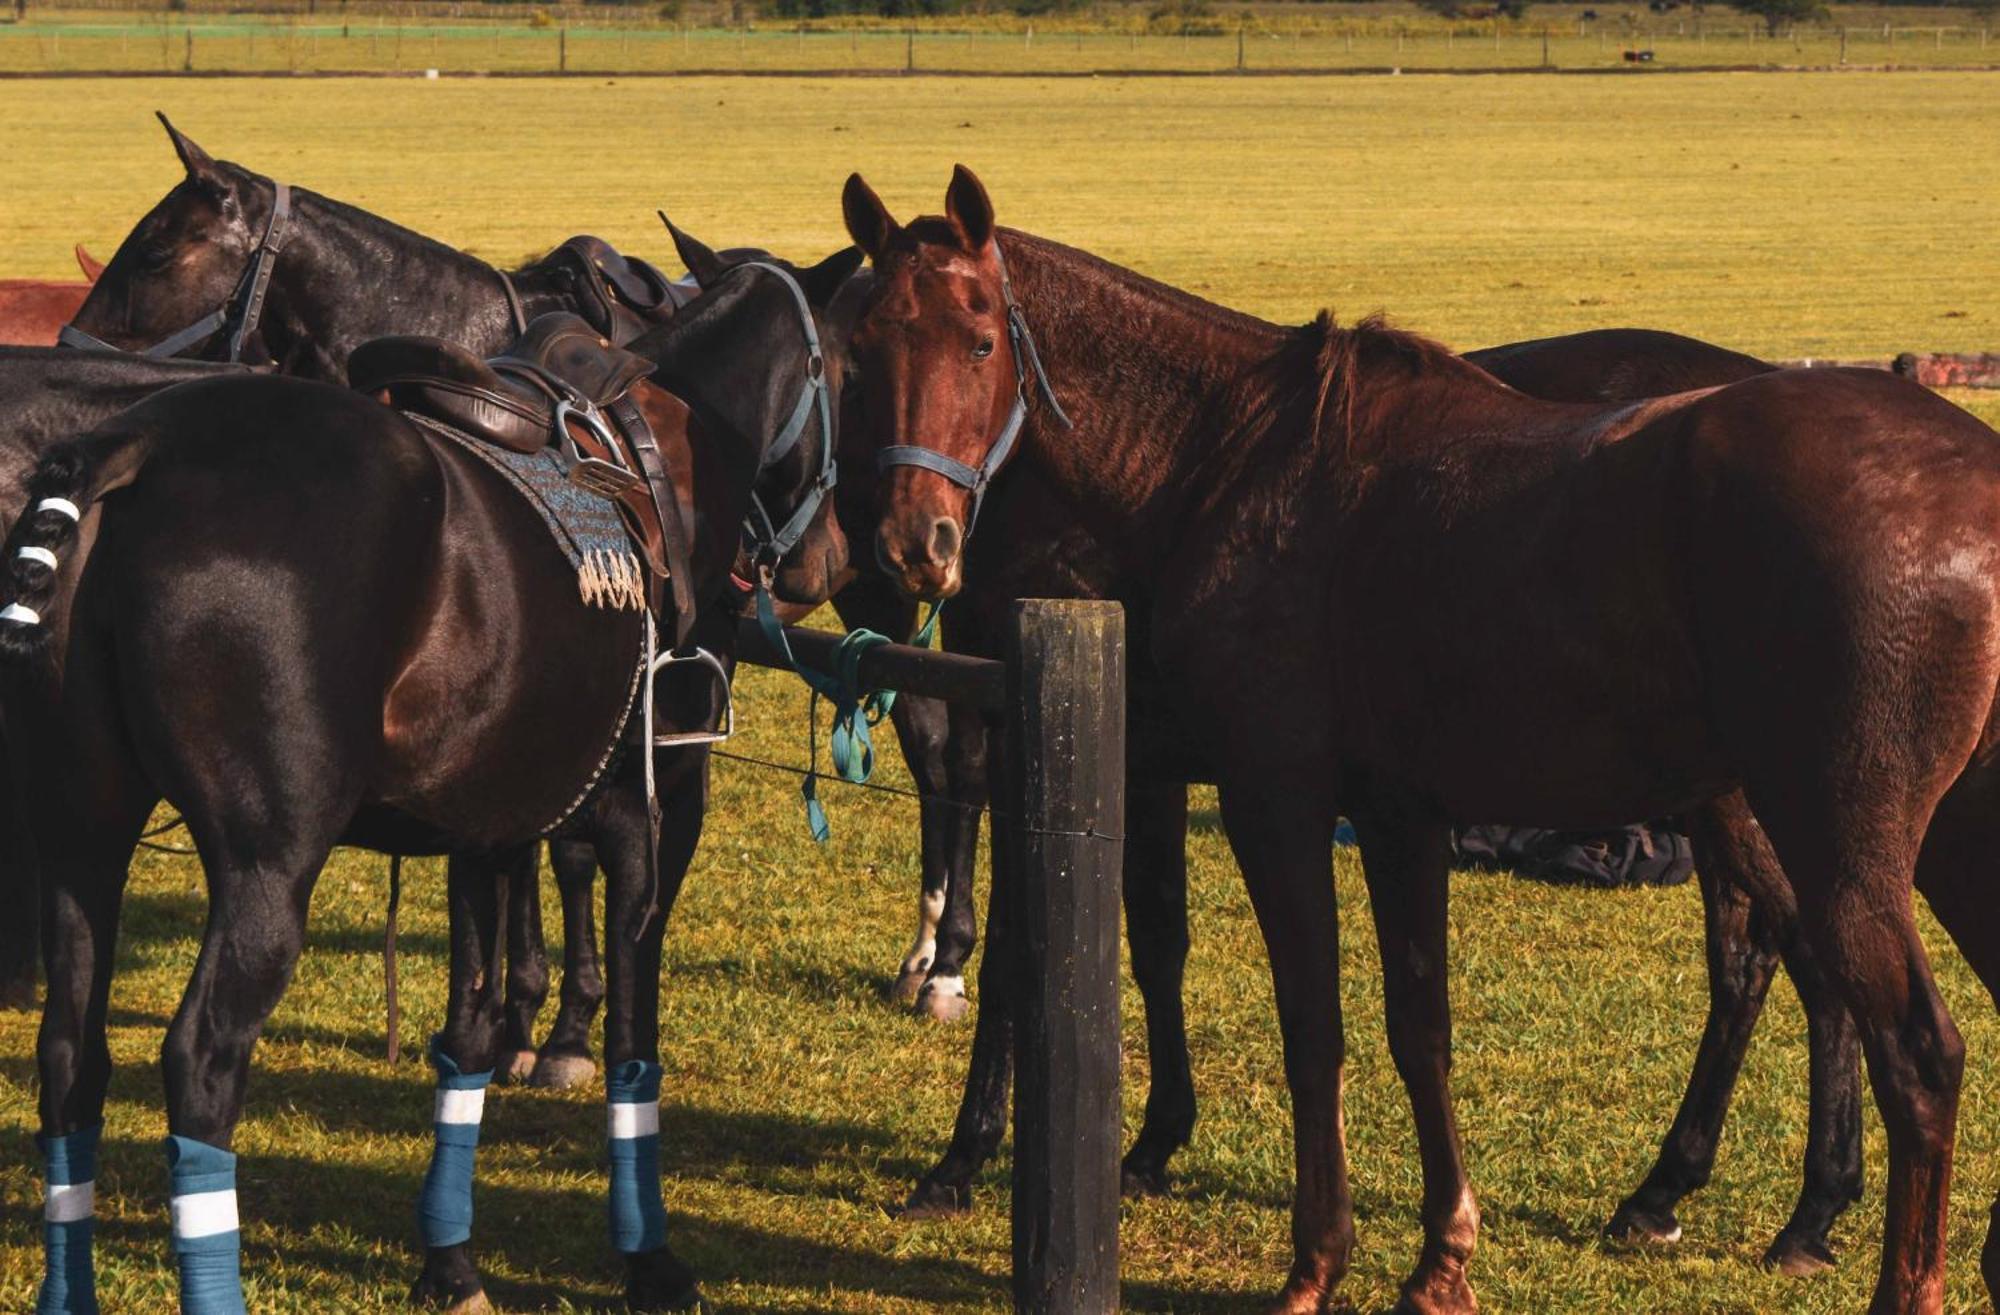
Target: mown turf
[{"x": 797, "y": 1104}]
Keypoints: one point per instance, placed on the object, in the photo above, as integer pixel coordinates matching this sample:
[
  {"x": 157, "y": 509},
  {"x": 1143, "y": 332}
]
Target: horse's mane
[
  {"x": 353, "y": 215},
  {"x": 1335, "y": 354},
  {"x": 1133, "y": 281}
]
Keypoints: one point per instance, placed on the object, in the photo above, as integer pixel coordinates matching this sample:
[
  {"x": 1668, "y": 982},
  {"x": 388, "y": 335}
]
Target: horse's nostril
[{"x": 946, "y": 538}]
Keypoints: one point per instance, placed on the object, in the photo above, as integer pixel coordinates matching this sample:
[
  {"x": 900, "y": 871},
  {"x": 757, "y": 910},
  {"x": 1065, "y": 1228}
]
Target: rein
[
  {"x": 1027, "y": 362},
  {"x": 249, "y": 292}
]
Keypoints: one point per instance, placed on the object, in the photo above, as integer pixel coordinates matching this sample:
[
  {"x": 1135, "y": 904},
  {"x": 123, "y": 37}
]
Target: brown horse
[
  {"x": 1641, "y": 608},
  {"x": 33, "y": 311}
]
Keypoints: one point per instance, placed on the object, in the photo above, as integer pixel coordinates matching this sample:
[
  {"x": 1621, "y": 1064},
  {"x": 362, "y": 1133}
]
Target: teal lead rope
[{"x": 855, "y": 710}]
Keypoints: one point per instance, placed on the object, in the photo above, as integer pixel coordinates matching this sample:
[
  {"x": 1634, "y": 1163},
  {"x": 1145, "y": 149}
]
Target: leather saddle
[
  {"x": 511, "y": 399},
  {"x": 560, "y": 369},
  {"x": 621, "y": 295}
]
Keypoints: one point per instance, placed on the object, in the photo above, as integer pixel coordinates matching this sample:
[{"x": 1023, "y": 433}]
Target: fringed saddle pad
[{"x": 587, "y": 528}]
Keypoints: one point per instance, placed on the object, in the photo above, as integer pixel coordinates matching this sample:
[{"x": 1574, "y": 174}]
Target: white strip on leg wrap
[
  {"x": 629, "y": 1121},
  {"x": 62, "y": 505},
  {"x": 27, "y": 616},
  {"x": 42, "y": 555},
  {"x": 204, "y": 1214},
  {"x": 65, "y": 1203},
  {"x": 460, "y": 1106}
]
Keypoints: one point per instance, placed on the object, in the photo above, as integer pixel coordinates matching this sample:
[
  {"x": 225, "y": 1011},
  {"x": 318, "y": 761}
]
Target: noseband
[
  {"x": 1027, "y": 361},
  {"x": 249, "y": 294},
  {"x": 770, "y": 541}
]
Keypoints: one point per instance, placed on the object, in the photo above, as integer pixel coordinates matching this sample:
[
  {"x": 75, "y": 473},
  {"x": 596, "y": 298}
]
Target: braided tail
[{"x": 65, "y": 485}]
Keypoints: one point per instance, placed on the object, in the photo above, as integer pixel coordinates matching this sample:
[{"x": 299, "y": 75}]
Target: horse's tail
[{"x": 40, "y": 551}]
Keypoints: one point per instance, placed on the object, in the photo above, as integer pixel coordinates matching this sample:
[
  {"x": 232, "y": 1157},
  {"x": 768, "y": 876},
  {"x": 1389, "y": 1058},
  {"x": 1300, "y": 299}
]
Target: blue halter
[
  {"x": 769, "y": 541},
  {"x": 1027, "y": 362}
]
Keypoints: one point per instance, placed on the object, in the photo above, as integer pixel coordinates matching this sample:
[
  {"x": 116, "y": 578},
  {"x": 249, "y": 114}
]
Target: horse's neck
[
  {"x": 1147, "y": 375},
  {"x": 347, "y": 276}
]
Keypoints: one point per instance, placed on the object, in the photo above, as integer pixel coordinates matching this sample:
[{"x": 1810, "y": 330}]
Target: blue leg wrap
[
  {"x": 69, "y": 1274},
  {"x": 208, "y": 1243},
  {"x": 444, "y": 1211},
  {"x": 638, "y": 1213}
]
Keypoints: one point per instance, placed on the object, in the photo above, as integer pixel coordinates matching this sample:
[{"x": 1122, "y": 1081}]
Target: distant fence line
[{"x": 374, "y": 44}]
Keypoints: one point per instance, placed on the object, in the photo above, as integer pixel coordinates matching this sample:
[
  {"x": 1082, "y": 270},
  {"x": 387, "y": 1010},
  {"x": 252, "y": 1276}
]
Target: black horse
[
  {"x": 48, "y": 395},
  {"x": 303, "y": 620},
  {"x": 219, "y": 269}
]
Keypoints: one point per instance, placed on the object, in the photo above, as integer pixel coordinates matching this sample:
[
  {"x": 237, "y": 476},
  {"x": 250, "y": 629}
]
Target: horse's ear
[
  {"x": 825, "y": 279},
  {"x": 701, "y": 262},
  {"x": 969, "y": 209},
  {"x": 89, "y": 264},
  {"x": 868, "y": 221},
  {"x": 200, "y": 167}
]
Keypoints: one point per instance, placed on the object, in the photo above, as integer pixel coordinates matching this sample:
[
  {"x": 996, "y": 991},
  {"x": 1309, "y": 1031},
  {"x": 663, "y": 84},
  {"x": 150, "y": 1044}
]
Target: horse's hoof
[
  {"x": 561, "y": 1072},
  {"x": 943, "y": 1004},
  {"x": 451, "y": 1298},
  {"x": 1636, "y": 1226},
  {"x": 658, "y": 1281},
  {"x": 1800, "y": 1257},
  {"x": 1437, "y": 1294},
  {"x": 934, "y": 1200},
  {"x": 909, "y": 984},
  {"x": 1137, "y": 1182},
  {"x": 517, "y": 1066},
  {"x": 1300, "y": 1301}
]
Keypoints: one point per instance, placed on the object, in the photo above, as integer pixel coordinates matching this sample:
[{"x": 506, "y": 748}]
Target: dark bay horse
[
  {"x": 1644, "y": 608},
  {"x": 46, "y": 396},
  {"x": 339, "y": 277},
  {"x": 1036, "y": 546},
  {"x": 303, "y": 620}
]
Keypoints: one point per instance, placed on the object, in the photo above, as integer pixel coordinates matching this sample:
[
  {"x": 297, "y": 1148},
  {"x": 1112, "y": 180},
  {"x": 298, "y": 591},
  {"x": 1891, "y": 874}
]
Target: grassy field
[
  {"x": 238, "y": 43},
  {"x": 1790, "y": 216}
]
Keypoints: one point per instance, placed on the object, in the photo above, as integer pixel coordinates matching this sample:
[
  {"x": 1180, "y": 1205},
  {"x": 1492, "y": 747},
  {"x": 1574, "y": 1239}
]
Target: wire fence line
[{"x": 378, "y": 45}]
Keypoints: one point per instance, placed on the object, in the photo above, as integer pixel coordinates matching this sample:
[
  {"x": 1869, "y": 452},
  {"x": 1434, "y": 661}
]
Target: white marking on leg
[
  {"x": 923, "y": 950},
  {"x": 948, "y": 987}
]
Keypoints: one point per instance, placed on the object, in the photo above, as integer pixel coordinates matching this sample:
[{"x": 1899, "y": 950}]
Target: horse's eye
[
  {"x": 983, "y": 350},
  {"x": 156, "y": 257}
]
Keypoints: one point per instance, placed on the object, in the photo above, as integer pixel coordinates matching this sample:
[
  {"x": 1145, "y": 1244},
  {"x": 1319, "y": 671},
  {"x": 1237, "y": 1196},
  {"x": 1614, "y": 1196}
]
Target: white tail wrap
[
  {"x": 634, "y": 1120},
  {"x": 456, "y": 1105},
  {"x": 27, "y": 616},
  {"x": 65, "y": 1203},
  {"x": 63, "y": 505},
  {"x": 34, "y": 554},
  {"x": 204, "y": 1214}
]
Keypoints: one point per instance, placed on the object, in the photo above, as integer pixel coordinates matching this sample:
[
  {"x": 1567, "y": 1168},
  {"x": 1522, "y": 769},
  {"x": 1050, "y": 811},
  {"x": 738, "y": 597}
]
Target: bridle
[
  {"x": 1027, "y": 361},
  {"x": 248, "y": 296},
  {"x": 769, "y": 541}
]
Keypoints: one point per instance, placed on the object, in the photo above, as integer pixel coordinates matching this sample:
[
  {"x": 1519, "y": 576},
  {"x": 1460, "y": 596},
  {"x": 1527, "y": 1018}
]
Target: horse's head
[
  {"x": 183, "y": 263},
  {"x": 942, "y": 357},
  {"x": 757, "y": 348}
]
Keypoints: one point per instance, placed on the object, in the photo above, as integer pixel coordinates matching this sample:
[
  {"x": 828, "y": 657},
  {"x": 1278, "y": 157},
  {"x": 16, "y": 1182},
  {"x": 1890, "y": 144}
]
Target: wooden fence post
[{"x": 1066, "y": 812}]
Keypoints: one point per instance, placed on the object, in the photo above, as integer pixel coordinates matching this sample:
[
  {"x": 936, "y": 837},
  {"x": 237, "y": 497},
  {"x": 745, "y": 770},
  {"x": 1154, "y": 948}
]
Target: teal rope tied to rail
[{"x": 856, "y": 711}]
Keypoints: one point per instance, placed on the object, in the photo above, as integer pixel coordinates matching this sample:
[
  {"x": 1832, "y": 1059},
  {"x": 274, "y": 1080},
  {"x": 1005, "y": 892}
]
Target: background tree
[{"x": 1778, "y": 13}]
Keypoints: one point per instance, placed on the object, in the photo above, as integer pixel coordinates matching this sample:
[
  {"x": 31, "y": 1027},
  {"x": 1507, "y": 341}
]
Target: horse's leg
[
  {"x": 1833, "y": 1130},
  {"x": 655, "y": 1278},
  {"x": 19, "y": 887},
  {"x": 1155, "y": 890},
  {"x": 1956, "y": 873},
  {"x": 89, "y": 843},
  {"x": 1407, "y": 862},
  {"x": 1283, "y": 841},
  {"x": 564, "y": 1059},
  {"x": 957, "y": 837},
  {"x": 464, "y": 1054},
  {"x": 260, "y": 881},
  {"x": 527, "y": 977},
  {"x": 1852, "y": 870},
  {"x": 922, "y": 726},
  {"x": 982, "y": 1109}
]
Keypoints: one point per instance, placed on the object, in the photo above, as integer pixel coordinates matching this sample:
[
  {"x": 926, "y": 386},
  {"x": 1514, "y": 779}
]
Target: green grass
[{"x": 797, "y": 1104}]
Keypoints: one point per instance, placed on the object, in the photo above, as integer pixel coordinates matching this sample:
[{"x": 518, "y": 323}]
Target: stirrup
[
  {"x": 588, "y": 473},
  {"x": 708, "y": 660}
]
